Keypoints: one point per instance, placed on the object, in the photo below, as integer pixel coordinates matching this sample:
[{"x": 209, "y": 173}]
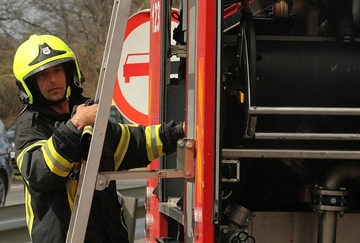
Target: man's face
[{"x": 52, "y": 82}]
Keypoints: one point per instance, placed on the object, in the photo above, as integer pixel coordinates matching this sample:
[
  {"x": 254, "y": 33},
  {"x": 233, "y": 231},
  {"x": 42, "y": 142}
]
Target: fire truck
[{"x": 269, "y": 92}]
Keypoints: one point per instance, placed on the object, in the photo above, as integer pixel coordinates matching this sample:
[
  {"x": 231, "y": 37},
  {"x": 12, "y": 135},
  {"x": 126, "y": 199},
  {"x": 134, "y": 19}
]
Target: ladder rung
[{"x": 104, "y": 178}]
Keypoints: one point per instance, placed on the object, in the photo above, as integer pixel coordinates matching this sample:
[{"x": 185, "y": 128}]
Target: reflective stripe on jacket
[{"x": 48, "y": 154}]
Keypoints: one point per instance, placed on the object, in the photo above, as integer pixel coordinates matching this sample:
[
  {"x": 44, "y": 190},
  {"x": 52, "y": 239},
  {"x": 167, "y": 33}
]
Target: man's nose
[{"x": 52, "y": 77}]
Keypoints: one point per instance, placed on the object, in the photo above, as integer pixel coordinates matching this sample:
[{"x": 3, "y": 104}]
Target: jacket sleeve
[
  {"x": 45, "y": 162},
  {"x": 136, "y": 146}
]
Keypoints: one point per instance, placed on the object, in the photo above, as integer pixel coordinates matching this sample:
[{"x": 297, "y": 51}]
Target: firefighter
[{"x": 51, "y": 142}]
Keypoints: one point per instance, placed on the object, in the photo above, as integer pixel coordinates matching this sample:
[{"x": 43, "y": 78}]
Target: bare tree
[
  {"x": 9, "y": 102},
  {"x": 83, "y": 24}
]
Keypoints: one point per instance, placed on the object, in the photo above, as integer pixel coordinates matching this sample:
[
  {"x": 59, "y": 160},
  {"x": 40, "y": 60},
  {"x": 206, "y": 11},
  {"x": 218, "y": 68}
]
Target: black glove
[
  {"x": 170, "y": 133},
  {"x": 87, "y": 103}
]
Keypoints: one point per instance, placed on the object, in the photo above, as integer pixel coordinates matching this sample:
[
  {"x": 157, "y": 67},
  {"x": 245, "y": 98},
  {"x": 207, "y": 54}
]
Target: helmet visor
[{"x": 47, "y": 65}]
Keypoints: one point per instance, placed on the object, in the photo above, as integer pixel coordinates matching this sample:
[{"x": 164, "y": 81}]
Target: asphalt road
[{"x": 16, "y": 196}]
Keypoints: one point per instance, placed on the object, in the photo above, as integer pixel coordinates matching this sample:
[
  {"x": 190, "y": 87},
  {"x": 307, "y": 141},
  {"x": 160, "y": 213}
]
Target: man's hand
[{"x": 84, "y": 115}]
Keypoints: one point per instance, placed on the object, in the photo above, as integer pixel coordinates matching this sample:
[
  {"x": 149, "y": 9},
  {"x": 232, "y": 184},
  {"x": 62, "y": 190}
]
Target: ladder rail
[{"x": 106, "y": 82}]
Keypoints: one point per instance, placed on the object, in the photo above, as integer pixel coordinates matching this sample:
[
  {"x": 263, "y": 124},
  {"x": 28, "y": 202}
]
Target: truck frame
[{"x": 269, "y": 93}]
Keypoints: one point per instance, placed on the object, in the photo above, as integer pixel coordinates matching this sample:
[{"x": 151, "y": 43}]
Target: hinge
[{"x": 186, "y": 157}]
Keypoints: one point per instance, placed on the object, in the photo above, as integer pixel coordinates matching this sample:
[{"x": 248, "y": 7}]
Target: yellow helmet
[{"x": 38, "y": 53}]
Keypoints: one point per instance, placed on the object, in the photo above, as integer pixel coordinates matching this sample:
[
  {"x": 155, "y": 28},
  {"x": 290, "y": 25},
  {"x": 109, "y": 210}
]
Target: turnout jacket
[{"x": 48, "y": 155}]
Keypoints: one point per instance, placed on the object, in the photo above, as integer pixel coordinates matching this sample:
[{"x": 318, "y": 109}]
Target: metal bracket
[
  {"x": 231, "y": 170},
  {"x": 186, "y": 157},
  {"x": 178, "y": 50},
  {"x": 185, "y": 167}
]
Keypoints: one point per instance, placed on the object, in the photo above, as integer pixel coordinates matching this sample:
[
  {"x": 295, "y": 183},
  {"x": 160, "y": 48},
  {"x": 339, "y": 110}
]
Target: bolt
[
  {"x": 189, "y": 145},
  {"x": 181, "y": 143},
  {"x": 162, "y": 174}
]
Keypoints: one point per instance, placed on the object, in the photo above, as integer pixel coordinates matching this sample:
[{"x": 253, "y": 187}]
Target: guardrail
[
  {"x": 13, "y": 225},
  {"x": 133, "y": 202}
]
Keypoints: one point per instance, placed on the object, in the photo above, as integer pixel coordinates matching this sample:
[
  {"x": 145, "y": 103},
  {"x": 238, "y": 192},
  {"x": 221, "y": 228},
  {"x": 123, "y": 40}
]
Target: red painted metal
[
  {"x": 235, "y": 7},
  {"x": 158, "y": 230},
  {"x": 205, "y": 122}
]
